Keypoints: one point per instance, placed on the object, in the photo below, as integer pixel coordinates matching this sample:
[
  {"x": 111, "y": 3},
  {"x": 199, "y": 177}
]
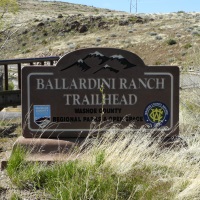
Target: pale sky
[{"x": 143, "y": 6}]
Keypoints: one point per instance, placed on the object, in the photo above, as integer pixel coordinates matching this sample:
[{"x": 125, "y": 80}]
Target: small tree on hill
[{"x": 6, "y": 6}]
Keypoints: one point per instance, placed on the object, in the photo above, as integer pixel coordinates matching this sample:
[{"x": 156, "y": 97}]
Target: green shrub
[
  {"x": 11, "y": 85},
  {"x": 187, "y": 46},
  {"x": 171, "y": 42},
  {"x": 15, "y": 197},
  {"x": 181, "y": 11}
]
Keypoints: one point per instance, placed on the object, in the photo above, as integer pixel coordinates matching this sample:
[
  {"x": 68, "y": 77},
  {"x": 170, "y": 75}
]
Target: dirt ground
[
  {"x": 7, "y": 189},
  {"x": 9, "y": 132}
]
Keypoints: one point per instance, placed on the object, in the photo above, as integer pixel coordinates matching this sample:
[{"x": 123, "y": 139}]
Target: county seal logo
[{"x": 156, "y": 114}]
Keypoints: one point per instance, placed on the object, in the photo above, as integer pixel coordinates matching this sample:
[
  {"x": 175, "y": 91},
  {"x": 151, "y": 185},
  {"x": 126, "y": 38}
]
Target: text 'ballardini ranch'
[{"x": 96, "y": 84}]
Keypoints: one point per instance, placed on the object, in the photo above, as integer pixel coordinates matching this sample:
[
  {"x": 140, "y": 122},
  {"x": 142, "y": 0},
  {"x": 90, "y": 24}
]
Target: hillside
[{"x": 43, "y": 28}]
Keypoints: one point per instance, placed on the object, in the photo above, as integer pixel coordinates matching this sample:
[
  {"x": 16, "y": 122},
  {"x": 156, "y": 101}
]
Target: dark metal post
[
  {"x": 1, "y": 82},
  {"x": 6, "y": 76},
  {"x": 19, "y": 75}
]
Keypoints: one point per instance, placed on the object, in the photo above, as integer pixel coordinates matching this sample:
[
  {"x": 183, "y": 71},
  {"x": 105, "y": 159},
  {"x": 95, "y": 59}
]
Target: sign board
[{"x": 92, "y": 85}]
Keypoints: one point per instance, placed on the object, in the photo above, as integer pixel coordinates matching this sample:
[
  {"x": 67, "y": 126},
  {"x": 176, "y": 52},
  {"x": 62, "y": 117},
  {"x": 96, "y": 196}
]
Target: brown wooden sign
[{"x": 95, "y": 84}]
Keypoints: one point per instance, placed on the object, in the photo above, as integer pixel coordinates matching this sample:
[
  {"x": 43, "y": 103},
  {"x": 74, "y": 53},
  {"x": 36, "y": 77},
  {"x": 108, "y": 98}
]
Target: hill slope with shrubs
[{"x": 42, "y": 28}]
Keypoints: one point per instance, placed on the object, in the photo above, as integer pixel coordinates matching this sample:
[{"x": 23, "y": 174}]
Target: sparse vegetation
[
  {"x": 8, "y": 6},
  {"x": 43, "y": 30}
]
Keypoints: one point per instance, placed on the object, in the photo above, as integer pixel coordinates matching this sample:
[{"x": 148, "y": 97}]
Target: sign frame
[{"x": 29, "y": 72}]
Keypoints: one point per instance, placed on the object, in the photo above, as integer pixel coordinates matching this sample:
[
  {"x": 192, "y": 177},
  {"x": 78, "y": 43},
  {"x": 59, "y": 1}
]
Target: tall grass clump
[
  {"x": 121, "y": 164},
  {"x": 16, "y": 164}
]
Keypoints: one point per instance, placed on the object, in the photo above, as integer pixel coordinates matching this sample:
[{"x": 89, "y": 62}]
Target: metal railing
[
  {"x": 13, "y": 98},
  {"x": 19, "y": 63}
]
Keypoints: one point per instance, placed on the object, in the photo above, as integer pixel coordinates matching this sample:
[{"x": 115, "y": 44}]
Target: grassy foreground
[{"x": 120, "y": 165}]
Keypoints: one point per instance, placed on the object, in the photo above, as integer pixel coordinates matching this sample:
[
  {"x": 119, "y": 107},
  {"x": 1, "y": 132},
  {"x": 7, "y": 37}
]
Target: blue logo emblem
[
  {"x": 156, "y": 114},
  {"x": 42, "y": 115}
]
